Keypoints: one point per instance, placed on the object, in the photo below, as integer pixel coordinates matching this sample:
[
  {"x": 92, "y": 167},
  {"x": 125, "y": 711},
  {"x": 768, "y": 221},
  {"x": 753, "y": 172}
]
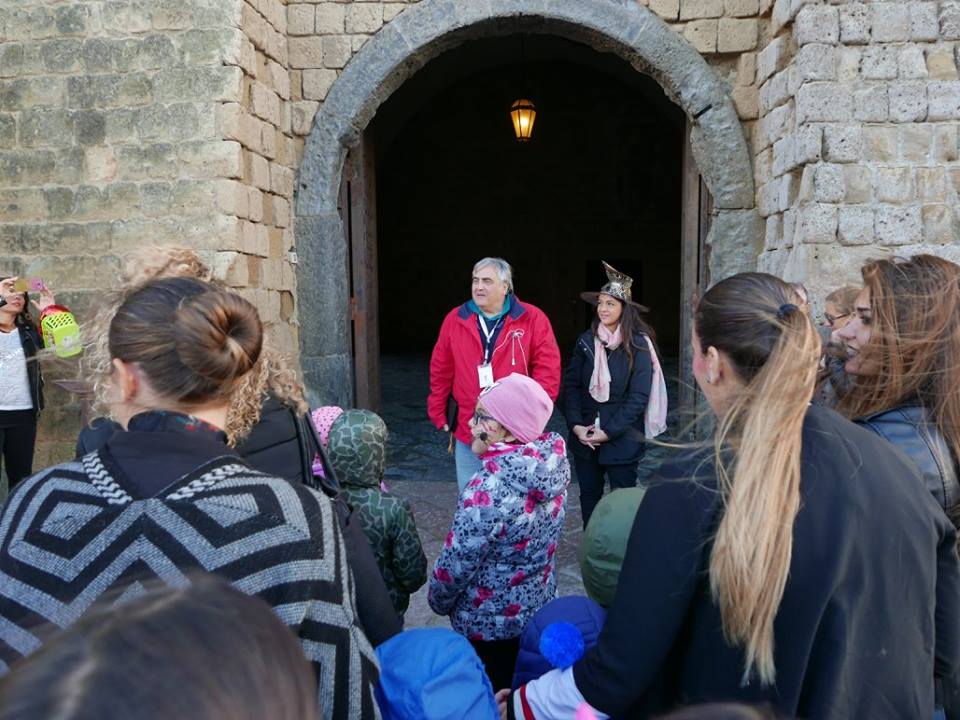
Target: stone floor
[{"x": 420, "y": 469}]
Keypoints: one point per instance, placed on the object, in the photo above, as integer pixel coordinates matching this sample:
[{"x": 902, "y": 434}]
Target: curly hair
[{"x": 271, "y": 374}]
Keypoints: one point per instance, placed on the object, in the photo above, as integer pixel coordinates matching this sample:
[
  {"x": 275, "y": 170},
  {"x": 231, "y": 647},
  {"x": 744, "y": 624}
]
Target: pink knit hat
[
  {"x": 519, "y": 404},
  {"x": 323, "y": 419}
]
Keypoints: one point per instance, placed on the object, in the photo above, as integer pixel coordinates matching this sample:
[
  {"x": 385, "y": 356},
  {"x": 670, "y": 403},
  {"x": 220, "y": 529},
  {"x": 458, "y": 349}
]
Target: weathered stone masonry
[{"x": 126, "y": 122}]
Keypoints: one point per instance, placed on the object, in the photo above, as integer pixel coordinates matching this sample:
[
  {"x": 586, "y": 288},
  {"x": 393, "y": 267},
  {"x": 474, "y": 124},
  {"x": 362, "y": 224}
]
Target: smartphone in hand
[{"x": 33, "y": 284}]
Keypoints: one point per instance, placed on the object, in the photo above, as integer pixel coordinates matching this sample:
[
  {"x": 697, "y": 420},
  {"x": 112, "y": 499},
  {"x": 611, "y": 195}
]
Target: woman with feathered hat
[{"x": 614, "y": 392}]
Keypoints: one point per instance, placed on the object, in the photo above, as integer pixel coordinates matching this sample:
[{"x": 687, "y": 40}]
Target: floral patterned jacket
[{"x": 498, "y": 564}]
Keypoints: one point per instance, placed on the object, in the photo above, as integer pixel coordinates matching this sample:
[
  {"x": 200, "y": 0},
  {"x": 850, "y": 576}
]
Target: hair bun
[{"x": 218, "y": 335}]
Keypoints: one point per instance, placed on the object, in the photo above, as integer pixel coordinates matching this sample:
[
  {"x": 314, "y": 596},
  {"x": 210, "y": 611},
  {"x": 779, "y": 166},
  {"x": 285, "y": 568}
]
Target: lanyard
[{"x": 488, "y": 334}]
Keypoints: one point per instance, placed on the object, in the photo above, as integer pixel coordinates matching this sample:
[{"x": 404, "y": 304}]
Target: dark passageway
[{"x": 601, "y": 178}]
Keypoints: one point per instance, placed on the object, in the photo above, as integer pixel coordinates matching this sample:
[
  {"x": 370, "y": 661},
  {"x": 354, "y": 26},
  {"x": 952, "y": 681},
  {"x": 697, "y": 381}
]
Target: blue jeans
[{"x": 467, "y": 464}]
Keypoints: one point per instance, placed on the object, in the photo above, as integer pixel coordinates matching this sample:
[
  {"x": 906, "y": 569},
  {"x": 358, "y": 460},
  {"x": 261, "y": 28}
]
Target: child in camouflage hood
[{"x": 357, "y": 448}]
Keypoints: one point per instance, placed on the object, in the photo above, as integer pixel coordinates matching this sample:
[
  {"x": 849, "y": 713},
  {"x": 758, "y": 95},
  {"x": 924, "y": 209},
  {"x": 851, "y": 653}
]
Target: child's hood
[{"x": 357, "y": 448}]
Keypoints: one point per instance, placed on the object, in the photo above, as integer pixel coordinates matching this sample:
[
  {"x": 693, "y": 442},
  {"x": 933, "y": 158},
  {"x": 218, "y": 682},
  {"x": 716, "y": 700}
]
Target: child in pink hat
[{"x": 498, "y": 564}]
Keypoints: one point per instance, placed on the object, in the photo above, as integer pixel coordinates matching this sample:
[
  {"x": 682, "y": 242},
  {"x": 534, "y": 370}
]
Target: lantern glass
[{"x": 523, "y": 113}]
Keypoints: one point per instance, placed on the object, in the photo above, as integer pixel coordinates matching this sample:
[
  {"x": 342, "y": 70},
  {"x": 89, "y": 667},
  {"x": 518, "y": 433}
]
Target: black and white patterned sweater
[{"x": 72, "y": 533}]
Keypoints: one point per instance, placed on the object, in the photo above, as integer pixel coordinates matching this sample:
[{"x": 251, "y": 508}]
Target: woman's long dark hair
[
  {"x": 23, "y": 317},
  {"x": 631, "y": 325}
]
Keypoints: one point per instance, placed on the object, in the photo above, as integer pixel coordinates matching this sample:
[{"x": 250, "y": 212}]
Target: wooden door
[
  {"x": 697, "y": 214},
  {"x": 358, "y": 208}
]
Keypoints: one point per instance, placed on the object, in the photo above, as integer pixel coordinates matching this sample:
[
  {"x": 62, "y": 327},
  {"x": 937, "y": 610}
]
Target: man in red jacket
[{"x": 481, "y": 341}]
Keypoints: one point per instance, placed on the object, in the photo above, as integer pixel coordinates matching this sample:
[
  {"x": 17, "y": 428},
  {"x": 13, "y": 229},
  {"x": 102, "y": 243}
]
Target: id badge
[{"x": 485, "y": 373}]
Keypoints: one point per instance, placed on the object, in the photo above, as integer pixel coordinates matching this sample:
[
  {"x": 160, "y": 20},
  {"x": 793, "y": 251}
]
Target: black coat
[
  {"x": 870, "y": 611},
  {"x": 31, "y": 342},
  {"x": 621, "y": 417}
]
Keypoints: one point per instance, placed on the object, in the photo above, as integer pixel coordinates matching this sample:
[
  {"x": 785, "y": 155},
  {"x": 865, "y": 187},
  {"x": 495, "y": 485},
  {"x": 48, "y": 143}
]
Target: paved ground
[{"x": 420, "y": 470}]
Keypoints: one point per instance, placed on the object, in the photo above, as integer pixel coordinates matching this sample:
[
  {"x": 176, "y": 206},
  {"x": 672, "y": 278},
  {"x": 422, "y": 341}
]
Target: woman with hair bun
[
  {"x": 169, "y": 496},
  {"x": 798, "y": 562}
]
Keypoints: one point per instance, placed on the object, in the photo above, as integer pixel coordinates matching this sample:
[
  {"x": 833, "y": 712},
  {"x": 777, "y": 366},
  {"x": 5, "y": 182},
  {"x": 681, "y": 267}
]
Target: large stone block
[
  {"x": 817, "y": 24},
  {"x": 842, "y": 143},
  {"x": 170, "y": 123},
  {"x": 815, "y": 62},
  {"x": 25, "y": 93},
  {"x": 205, "y": 84},
  {"x": 784, "y": 155},
  {"x": 300, "y": 19},
  {"x": 871, "y": 103},
  {"x": 941, "y": 64},
  {"x": 890, "y": 22},
  {"x": 912, "y": 63},
  {"x": 893, "y": 184},
  {"x": 737, "y": 34},
  {"x": 943, "y": 100},
  {"x": 908, "y": 101},
  {"x": 858, "y": 184},
  {"x": 773, "y": 58},
  {"x": 62, "y": 55},
  {"x": 915, "y": 140},
  {"x": 932, "y": 185},
  {"x": 741, "y": 8},
  {"x": 336, "y": 51},
  {"x": 924, "y": 21},
  {"x": 824, "y": 101},
  {"x": 26, "y": 168},
  {"x": 945, "y": 142},
  {"x": 950, "y": 20},
  {"x": 305, "y": 52},
  {"x": 265, "y": 103},
  {"x": 855, "y": 24},
  {"x": 43, "y": 127},
  {"x": 817, "y": 223},
  {"x": 897, "y": 225},
  {"x": 8, "y": 130},
  {"x": 939, "y": 225},
  {"x": 667, "y": 9},
  {"x": 364, "y": 17},
  {"x": 317, "y": 83},
  {"x": 146, "y": 162},
  {"x": 331, "y": 18},
  {"x": 828, "y": 184},
  {"x": 880, "y": 62},
  {"x": 697, "y": 9},
  {"x": 856, "y": 225}
]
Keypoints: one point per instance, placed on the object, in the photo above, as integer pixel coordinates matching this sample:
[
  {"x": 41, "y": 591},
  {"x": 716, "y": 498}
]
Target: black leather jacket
[
  {"x": 31, "y": 342},
  {"x": 908, "y": 428}
]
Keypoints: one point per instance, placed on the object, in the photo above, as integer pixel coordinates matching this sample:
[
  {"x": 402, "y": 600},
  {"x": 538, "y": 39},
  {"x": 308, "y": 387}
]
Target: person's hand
[
  {"x": 446, "y": 428},
  {"x": 6, "y": 286},
  {"x": 45, "y": 299},
  {"x": 584, "y": 435},
  {"x": 502, "y": 697},
  {"x": 599, "y": 436}
]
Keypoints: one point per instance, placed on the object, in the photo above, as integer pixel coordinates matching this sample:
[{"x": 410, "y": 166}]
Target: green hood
[
  {"x": 357, "y": 448},
  {"x": 604, "y": 543}
]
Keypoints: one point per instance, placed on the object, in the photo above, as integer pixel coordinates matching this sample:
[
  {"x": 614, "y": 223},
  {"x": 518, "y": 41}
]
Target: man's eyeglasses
[{"x": 831, "y": 319}]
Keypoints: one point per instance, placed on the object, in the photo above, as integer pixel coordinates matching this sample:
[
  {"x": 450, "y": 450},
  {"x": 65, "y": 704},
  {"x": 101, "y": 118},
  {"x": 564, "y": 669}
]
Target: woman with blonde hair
[{"x": 759, "y": 570}]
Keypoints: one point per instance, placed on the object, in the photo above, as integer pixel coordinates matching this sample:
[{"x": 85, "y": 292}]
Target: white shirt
[{"x": 14, "y": 383}]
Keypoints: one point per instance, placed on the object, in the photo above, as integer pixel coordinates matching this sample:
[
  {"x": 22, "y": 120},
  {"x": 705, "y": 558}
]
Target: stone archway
[{"x": 424, "y": 31}]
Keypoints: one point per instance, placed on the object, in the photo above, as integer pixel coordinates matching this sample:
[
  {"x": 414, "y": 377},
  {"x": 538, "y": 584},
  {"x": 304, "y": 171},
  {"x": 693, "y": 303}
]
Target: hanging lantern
[{"x": 524, "y": 114}]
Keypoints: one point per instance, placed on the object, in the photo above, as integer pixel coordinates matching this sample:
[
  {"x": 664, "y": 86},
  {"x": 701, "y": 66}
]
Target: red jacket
[{"x": 525, "y": 345}]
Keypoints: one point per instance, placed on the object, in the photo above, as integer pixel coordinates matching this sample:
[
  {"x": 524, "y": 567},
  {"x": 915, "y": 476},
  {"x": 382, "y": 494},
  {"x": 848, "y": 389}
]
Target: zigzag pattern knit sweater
[{"x": 71, "y": 534}]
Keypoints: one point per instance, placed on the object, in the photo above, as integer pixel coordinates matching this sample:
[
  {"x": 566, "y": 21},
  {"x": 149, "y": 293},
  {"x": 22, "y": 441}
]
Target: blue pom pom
[{"x": 561, "y": 644}]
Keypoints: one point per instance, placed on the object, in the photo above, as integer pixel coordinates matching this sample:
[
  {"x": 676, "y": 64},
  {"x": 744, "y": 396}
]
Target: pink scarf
[
  {"x": 655, "y": 417},
  {"x": 600, "y": 380}
]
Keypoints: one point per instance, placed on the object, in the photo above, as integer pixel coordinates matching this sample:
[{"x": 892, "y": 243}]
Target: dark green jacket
[{"x": 357, "y": 450}]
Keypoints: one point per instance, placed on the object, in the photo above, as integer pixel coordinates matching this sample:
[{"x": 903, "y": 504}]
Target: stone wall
[
  {"x": 130, "y": 122},
  {"x": 857, "y": 145}
]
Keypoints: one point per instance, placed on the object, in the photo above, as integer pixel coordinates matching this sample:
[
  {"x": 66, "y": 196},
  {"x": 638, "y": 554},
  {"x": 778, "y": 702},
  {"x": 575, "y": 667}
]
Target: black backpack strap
[{"x": 310, "y": 448}]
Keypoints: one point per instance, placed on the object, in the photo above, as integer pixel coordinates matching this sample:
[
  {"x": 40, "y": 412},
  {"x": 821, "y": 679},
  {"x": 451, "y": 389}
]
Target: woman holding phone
[{"x": 21, "y": 384}]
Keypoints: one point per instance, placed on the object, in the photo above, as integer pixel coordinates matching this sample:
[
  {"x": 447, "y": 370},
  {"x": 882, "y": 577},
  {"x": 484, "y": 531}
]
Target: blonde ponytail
[{"x": 752, "y": 550}]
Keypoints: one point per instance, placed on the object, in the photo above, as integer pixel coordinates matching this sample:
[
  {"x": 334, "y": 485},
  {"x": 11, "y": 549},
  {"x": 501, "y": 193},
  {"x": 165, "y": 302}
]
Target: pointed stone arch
[{"x": 426, "y": 30}]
